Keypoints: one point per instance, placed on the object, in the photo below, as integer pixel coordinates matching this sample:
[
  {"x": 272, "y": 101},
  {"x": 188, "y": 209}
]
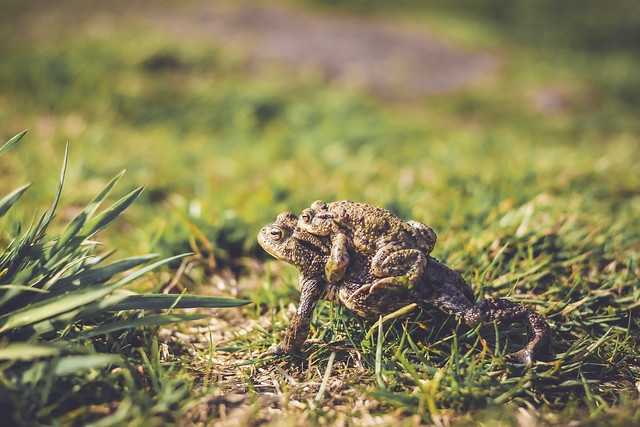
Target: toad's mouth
[{"x": 316, "y": 247}]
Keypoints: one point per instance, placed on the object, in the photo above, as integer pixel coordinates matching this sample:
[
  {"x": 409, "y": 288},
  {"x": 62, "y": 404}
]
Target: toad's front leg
[
  {"x": 338, "y": 258},
  {"x": 298, "y": 329}
]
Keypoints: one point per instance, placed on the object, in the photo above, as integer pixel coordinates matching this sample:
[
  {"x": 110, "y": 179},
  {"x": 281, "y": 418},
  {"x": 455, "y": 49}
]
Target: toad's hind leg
[
  {"x": 504, "y": 311},
  {"x": 398, "y": 269},
  {"x": 450, "y": 299}
]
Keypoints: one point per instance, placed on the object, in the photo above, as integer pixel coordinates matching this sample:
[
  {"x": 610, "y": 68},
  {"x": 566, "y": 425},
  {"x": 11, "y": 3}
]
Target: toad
[
  {"x": 398, "y": 248},
  {"x": 438, "y": 287}
]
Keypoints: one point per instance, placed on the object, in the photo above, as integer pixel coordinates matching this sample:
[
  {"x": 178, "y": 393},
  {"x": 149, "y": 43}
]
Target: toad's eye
[
  {"x": 276, "y": 234},
  {"x": 306, "y": 216}
]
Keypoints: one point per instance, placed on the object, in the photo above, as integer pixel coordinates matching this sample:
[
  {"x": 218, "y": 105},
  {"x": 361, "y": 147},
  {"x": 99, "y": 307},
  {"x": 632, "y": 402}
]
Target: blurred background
[{"x": 463, "y": 115}]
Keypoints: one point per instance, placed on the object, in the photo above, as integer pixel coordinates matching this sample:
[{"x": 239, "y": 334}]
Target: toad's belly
[{"x": 365, "y": 304}]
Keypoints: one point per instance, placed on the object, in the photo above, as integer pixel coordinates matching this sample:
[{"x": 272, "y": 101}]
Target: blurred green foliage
[
  {"x": 594, "y": 39},
  {"x": 226, "y": 150},
  {"x": 589, "y": 25},
  {"x": 230, "y": 150}
]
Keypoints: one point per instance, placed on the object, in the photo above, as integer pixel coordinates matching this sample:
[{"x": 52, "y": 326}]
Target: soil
[{"x": 379, "y": 56}]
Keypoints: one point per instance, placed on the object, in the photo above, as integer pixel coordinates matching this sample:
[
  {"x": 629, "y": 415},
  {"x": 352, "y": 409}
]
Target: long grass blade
[
  {"x": 71, "y": 231},
  {"x": 54, "y": 206},
  {"x": 378, "y": 362},
  {"x": 72, "y": 364},
  {"x": 133, "y": 276},
  {"x": 23, "y": 351},
  {"x": 76, "y": 225},
  {"x": 96, "y": 276},
  {"x": 11, "y": 198},
  {"x": 67, "y": 302},
  {"x": 159, "y": 302},
  {"x": 51, "y": 307},
  {"x": 398, "y": 313},
  {"x": 87, "y": 312},
  {"x": 153, "y": 320},
  {"x": 23, "y": 288},
  {"x": 326, "y": 377},
  {"x": 109, "y": 215},
  {"x": 13, "y": 141},
  {"x": 97, "y": 201}
]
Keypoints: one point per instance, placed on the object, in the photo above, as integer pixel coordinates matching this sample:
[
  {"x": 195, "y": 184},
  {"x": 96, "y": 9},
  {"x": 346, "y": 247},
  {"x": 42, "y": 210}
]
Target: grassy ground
[{"x": 532, "y": 199}]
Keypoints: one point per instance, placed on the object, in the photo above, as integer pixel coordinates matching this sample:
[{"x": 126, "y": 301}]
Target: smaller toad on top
[{"x": 399, "y": 249}]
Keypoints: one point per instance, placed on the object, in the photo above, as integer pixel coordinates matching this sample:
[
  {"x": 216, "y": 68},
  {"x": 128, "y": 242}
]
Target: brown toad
[
  {"x": 399, "y": 249},
  {"x": 438, "y": 287}
]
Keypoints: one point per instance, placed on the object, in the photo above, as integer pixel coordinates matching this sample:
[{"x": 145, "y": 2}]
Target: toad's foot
[
  {"x": 277, "y": 350},
  {"x": 280, "y": 350},
  {"x": 505, "y": 312},
  {"x": 395, "y": 284},
  {"x": 392, "y": 284},
  {"x": 523, "y": 356},
  {"x": 295, "y": 337},
  {"x": 358, "y": 291}
]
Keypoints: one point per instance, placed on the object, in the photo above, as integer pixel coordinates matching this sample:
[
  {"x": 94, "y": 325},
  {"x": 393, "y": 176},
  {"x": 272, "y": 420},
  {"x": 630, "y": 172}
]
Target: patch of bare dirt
[{"x": 379, "y": 56}]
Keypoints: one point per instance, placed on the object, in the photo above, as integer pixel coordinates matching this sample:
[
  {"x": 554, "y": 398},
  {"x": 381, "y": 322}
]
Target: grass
[
  {"x": 59, "y": 307},
  {"x": 536, "y": 206}
]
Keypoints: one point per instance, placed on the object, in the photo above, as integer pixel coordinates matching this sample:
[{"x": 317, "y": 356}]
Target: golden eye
[
  {"x": 306, "y": 217},
  {"x": 276, "y": 234}
]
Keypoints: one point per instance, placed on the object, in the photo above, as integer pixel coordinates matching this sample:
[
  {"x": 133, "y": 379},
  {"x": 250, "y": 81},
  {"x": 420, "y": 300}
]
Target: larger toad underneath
[{"x": 437, "y": 287}]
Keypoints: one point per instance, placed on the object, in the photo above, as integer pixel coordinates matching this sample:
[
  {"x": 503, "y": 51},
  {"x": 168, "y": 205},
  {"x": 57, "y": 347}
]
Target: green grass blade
[
  {"x": 11, "y": 198},
  {"x": 159, "y": 302},
  {"x": 326, "y": 377},
  {"x": 90, "y": 311},
  {"x": 71, "y": 231},
  {"x": 54, "y": 306},
  {"x": 51, "y": 307},
  {"x": 378, "y": 360},
  {"x": 72, "y": 364},
  {"x": 13, "y": 141},
  {"x": 398, "y": 313},
  {"x": 23, "y": 288},
  {"x": 108, "y": 216},
  {"x": 153, "y": 320},
  {"x": 98, "y": 275},
  {"x": 54, "y": 206},
  {"x": 93, "y": 206},
  {"x": 78, "y": 227},
  {"x": 133, "y": 276},
  {"x": 23, "y": 351},
  {"x": 97, "y": 201}
]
